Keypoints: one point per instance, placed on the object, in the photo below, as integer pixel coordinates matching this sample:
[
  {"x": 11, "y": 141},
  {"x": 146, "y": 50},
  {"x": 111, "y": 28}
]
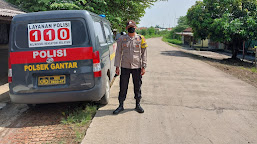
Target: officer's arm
[
  {"x": 144, "y": 52},
  {"x": 118, "y": 53}
]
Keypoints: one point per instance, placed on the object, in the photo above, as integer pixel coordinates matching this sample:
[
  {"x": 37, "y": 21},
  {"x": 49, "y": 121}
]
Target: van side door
[
  {"x": 111, "y": 47},
  {"x": 103, "y": 46}
]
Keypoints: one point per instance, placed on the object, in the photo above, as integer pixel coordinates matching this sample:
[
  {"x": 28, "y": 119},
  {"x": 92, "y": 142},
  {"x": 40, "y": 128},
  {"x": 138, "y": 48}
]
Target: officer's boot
[
  {"x": 138, "y": 108},
  {"x": 119, "y": 109}
]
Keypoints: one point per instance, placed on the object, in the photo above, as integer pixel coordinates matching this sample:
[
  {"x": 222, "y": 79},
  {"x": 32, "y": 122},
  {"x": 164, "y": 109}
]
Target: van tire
[{"x": 105, "y": 98}]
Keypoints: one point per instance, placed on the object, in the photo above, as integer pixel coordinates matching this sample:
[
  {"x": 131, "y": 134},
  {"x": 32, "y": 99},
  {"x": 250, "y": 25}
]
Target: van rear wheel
[{"x": 105, "y": 98}]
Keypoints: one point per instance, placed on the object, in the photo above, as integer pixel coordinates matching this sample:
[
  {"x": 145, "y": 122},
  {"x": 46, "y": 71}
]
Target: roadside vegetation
[
  {"x": 173, "y": 41},
  {"x": 48, "y": 123},
  {"x": 172, "y": 37},
  {"x": 230, "y": 22},
  {"x": 152, "y": 32},
  {"x": 79, "y": 119},
  {"x": 253, "y": 69},
  {"x": 80, "y": 115}
]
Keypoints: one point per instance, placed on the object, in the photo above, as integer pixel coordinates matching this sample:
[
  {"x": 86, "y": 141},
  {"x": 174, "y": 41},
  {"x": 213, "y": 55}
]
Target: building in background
[
  {"x": 187, "y": 37},
  {"x": 169, "y": 29},
  {"x": 141, "y": 28},
  {"x": 7, "y": 12}
]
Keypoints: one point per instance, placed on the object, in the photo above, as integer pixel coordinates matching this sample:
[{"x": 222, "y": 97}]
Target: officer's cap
[{"x": 131, "y": 23}]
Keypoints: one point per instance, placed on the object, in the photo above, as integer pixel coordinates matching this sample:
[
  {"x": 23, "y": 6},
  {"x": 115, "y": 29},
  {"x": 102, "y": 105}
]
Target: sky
[{"x": 165, "y": 13}]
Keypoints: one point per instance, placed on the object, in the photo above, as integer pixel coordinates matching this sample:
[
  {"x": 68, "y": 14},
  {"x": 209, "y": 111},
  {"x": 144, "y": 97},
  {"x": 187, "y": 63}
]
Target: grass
[
  {"x": 152, "y": 36},
  {"x": 79, "y": 118},
  {"x": 253, "y": 69},
  {"x": 173, "y": 41},
  {"x": 61, "y": 142},
  {"x": 79, "y": 136}
]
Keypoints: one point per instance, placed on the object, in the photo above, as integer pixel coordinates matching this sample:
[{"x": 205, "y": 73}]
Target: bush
[
  {"x": 173, "y": 41},
  {"x": 143, "y": 32},
  {"x": 151, "y": 31}
]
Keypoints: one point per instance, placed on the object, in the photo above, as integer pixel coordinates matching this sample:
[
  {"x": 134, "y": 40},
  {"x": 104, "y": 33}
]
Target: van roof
[{"x": 57, "y": 14}]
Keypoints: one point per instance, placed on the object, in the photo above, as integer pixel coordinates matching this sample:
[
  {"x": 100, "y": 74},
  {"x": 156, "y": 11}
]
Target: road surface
[{"x": 186, "y": 101}]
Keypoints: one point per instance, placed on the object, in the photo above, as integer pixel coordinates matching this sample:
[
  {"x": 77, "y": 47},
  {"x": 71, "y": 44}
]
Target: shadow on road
[
  {"x": 174, "y": 53},
  {"x": 102, "y": 113},
  {"x": 4, "y": 97},
  {"x": 232, "y": 62}
]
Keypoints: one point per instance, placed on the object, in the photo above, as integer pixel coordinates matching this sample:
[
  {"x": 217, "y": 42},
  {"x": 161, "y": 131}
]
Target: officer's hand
[
  {"x": 142, "y": 71},
  {"x": 117, "y": 71}
]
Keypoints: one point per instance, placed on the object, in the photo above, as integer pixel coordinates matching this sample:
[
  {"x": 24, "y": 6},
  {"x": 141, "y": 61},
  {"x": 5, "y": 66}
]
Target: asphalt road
[{"x": 186, "y": 101}]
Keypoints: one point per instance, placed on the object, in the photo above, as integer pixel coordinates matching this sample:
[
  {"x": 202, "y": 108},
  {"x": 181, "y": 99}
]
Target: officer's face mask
[{"x": 131, "y": 30}]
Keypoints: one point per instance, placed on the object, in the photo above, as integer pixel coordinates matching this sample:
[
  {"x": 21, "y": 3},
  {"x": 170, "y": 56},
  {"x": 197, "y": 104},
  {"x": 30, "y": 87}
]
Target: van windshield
[{"x": 62, "y": 33}]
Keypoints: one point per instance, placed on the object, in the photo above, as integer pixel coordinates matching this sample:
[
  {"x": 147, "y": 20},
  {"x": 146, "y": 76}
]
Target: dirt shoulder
[
  {"x": 243, "y": 70},
  {"x": 45, "y": 123}
]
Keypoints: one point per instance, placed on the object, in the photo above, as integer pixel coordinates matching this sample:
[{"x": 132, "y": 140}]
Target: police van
[{"x": 60, "y": 56}]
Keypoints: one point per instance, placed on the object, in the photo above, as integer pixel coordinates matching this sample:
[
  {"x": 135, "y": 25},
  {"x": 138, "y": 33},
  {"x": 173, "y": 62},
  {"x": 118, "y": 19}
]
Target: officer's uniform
[{"x": 131, "y": 56}]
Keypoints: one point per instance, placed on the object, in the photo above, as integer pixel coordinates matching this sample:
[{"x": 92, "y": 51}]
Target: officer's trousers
[{"x": 124, "y": 81}]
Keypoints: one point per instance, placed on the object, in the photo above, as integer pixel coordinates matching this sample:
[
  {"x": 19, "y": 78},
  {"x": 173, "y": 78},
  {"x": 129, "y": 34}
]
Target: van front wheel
[{"x": 105, "y": 98}]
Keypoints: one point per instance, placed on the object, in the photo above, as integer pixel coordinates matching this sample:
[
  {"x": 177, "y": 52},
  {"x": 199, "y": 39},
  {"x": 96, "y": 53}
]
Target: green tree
[
  {"x": 157, "y": 26},
  {"x": 182, "y": 25},
  {"x": 199, "y": 20},
  {"x": 228, "y": 21},
  {"x": 182, "y": 21},
  {"x": 118, "y": 12},
  {"x": 143, "y": 32},
  {"x": 151, "y": 31}
]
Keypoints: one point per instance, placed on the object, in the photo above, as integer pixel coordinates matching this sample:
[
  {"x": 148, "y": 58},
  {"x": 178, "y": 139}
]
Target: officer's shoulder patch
[
  {"x": 143, "y": 42},
  {"x": 143, "y": 37}
]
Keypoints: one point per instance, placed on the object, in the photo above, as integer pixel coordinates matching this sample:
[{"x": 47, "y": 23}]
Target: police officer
[{"x": 131, "y": 58}]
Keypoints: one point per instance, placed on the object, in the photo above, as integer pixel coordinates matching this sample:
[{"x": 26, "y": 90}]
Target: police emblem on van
[{"x": 49, "y": 60}]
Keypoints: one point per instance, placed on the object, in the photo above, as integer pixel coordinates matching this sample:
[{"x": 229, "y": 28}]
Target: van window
[
  {"x": 107, "y": 33},
  {"x": 99, "y": 32},
  {"x": 78, "y": 35}
]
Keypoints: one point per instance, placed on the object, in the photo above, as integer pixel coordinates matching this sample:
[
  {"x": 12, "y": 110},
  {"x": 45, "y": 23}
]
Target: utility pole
[
  {"x": 255, "y": 57},
  {"x": 175, "y": 20},
  {"x": 243, "y": 50},
  {"x": 255, "y": 47}
]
